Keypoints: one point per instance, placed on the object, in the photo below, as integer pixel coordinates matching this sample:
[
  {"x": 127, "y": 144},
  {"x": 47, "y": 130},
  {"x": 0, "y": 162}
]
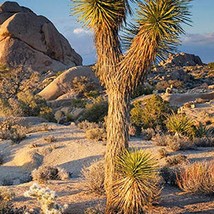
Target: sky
[{"x": 198, "y": 40}]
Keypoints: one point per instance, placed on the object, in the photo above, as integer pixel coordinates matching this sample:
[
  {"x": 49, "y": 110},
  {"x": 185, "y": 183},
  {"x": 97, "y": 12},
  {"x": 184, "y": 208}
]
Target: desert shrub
[
  {"x": 96, "y": 111},
  {"x": 34, "y": 105},
  {"x": 137, "y": 184},
  {"x": 197, "y": 177},
  {"x": 211, "y": 65},
  {"x": 87, "y": 125},
  {"x": 147, "y": 134},
  {"x": 180, "y": 124},
  {"x": 5, "y": 198},
  {"x": 98, "y": 134},
  {"x": 17, "y": 95},
  {"x": 45, "y": 173},
  {"x": 176, "y": 159},
  {"x": 142, "y": 89},
  {"x": 204, "y": 141},
  {"x": 46, "y": 199},
  {"x": 50, "y": 139},
  {"x": 95, "y": 210},
  {"x": 78, "y": 103},
  {"x": 163, "y": 153},
  {"x": 6, "y": 205},
  {"x": 164, "y": 84},
  {"x": 176, "y": 143},
  {"x": 150, "y": 114},
  {"x": 94, "y": 177},
  {"x": 83, "y": 86},
  {"x": 169, "y": 174},
  {"x": 161, "y": 140},
  {"x": 9, "y": 130}
]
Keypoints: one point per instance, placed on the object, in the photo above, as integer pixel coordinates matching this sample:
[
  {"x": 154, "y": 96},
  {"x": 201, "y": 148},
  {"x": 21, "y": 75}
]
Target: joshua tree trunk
[{"x": 117, "y": 137}]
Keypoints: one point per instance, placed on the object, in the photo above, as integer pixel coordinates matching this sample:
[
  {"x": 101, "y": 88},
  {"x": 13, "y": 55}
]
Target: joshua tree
[{"x": 155, "y": 33}]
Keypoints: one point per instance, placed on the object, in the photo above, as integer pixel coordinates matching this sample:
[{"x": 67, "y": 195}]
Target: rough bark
[{"x": 117, "y": 138}]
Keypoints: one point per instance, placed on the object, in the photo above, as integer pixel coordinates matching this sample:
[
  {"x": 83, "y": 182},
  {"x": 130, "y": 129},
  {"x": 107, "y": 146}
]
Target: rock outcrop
[
  {"x": 182, "y": 59},
  {"x": 27, "y": 39},
  {"x": 63, "y": 83}
]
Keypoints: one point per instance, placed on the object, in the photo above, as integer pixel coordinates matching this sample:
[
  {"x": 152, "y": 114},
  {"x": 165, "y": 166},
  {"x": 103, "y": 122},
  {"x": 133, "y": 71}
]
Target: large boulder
[
  {"x": 63, "y": 82},
  {"x": 31, "y": 40},
  {"x": 182, "y": 59}
]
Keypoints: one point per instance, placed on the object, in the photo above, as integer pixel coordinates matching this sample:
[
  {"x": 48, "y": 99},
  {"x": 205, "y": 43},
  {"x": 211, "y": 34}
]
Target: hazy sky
[{"x": 199, "y": 38}]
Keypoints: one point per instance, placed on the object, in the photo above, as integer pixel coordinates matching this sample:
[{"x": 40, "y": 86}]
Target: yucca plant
[
  {"x": 137, "y": 184},
  {"x": 181, "y": 124},
  {"x": 154, "y": 34}
]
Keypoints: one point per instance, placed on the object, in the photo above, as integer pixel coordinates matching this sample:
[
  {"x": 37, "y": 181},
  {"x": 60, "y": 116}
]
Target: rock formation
[
  {"x": 182, "y": 59},
  {"x": 64, "y": 82},
  {"x": 27, "y": 39}
]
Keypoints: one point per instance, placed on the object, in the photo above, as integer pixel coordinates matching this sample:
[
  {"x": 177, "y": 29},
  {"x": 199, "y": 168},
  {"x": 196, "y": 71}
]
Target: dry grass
[
  {"x": 176, "y": 159},
  {"x": 94, "y": 177},
  {"x": 98, "y": 134},
  {"x": 197, "y": 178},
  {"x": 163, "y": 153}
]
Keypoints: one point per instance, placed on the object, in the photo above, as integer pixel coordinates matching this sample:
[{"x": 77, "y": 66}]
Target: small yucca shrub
[
  {"x": 137, "y": 184},
  {"x": 197, "y": 178},
  {"x": 180, "y": 124}
]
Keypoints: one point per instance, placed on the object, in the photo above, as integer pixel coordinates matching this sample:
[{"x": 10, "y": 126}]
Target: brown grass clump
[
  {"x": 176, "y": 159},
  {"x": 197, "y": 178},
  {"x": 98, "y": 134},
  {"x": 163, "y": 153},
  {"x": 45, "y": 173},
  {"x": 94, "y": 177},
  {"x": 6, "y": 206},
  {"x": 174, "y": 142},
  {"x": 87, "y": 125},
  {"x": 50, "y": 139}
]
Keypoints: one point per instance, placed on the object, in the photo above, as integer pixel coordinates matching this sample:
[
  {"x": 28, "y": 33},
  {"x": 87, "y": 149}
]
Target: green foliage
[
  {"x": 150, "y": 114},
  {"x": 180, "y": 124},
  {"x": 33, "y": 105},
  {"x": 96, "y": 111},
  {"x": 211, "y": 65},
  {"x": 142, "y": 90},
  {"x": 78, "y": 103},
  {"x": 138, "y": 182},
  {"x": 85, "y": 87}
]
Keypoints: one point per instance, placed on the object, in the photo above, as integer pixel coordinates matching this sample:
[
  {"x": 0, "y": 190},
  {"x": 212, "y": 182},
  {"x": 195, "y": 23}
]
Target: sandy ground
[{"x": 71, "y": 150}]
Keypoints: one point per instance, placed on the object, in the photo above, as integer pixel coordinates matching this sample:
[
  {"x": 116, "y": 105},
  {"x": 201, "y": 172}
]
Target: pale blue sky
[{"x": 199, "y": 38}]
